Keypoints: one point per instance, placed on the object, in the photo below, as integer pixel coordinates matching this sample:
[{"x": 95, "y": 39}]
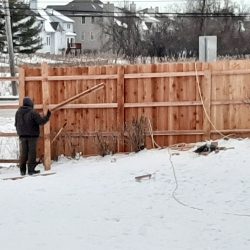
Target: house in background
[
  {"x": 57, "y": 30},
  {"x": 145, "y": 19},
  {"x": 149, "y": 18},
  {"x": 88, "y": 16}
]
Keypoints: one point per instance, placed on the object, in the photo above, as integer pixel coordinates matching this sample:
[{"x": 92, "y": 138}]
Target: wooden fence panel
[
  {"x": 166, "y": 94},
  {"x": 229, "y": 113}
]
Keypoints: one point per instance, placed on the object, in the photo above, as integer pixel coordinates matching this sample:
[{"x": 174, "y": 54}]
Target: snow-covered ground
[
  {"x": 192, "y": 202},
  {"x": 9, "y": 146}
]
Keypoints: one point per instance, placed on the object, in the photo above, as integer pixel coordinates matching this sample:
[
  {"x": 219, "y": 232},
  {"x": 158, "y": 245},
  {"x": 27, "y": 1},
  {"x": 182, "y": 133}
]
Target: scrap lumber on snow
[
  {"x": 13, "y": 178},
  {"x": 143, "y": 177}
]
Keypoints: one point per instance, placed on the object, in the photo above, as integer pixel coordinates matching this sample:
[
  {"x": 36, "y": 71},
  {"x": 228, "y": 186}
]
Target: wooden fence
[{"x": 185, "y": 102}]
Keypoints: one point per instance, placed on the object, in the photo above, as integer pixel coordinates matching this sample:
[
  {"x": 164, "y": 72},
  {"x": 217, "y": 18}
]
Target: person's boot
[
  {"x": 31, "y": 170},
  {"x": 34, "y": 172},
  {"x": 23, "y": 169},
  {"x": 23, "y": 172}
]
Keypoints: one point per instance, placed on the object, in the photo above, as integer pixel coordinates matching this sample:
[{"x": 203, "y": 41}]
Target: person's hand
[{"x": 48, "y": 113}]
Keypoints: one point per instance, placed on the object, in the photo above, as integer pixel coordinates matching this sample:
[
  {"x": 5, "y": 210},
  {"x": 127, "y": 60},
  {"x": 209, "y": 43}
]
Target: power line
[
  {"x": 126, "y": 14},
  {"x": 156, "y": 16},
  {"x": 138, "y": 14}
]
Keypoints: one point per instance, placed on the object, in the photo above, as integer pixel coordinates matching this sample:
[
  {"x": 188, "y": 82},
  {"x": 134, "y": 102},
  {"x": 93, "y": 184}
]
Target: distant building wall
[{"x": 88, "y": 32}]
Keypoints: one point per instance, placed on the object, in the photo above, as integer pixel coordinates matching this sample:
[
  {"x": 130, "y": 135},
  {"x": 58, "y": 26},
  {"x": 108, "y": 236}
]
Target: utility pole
[{"x": 10, "y": 44}]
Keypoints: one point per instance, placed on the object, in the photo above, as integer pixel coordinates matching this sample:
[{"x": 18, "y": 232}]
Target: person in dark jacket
[{"x": 27, "y": 122}]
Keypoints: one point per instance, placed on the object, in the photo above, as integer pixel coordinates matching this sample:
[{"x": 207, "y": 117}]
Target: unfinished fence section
[
  {"x": 183, "y": 102},
  {"x": 8, "y": 140}
]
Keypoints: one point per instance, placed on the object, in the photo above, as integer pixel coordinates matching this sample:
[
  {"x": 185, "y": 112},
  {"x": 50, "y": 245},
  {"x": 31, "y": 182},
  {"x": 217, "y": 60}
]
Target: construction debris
[
  {"x": 208, "y": 148},
  {"x": 182, "y": 146},
  {"x": 143, "y": 177}
]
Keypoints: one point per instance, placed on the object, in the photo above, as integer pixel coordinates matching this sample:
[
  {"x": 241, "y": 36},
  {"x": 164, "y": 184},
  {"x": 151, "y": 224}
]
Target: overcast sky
[{"x": 139, "y": 3}]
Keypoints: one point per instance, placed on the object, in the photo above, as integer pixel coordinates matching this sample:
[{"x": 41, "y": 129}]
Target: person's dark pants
[{"x": 27, "y": 154}]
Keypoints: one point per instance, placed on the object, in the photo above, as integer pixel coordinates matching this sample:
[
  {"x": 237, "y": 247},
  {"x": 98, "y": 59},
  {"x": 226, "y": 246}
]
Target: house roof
[
  {"x": 51, "y": 24},
  {"x": 79, "y": 6},
  {"x": 70, "y": 34},
  {"x": 149, "y": 19},
  {"x": 47, "y": 21},
  {"x": 119, "y": 23},
  {"x": 59, "y": 15}
]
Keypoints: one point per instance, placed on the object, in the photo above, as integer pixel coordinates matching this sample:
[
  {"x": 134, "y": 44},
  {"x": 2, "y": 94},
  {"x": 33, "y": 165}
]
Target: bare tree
[
  {"x": 178, "y": 35},
  {"x": 123, "y": 36},
  {"x": 214, "y": 18}
]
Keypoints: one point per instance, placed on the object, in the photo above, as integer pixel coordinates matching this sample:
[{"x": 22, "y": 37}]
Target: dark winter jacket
[{"x": 27, "y": 120}]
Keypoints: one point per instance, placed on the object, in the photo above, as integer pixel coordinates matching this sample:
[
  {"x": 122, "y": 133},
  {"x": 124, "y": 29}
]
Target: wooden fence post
[
  {"x": 120, "y": 108},
  {"x": 207, "y": 104},
  {"x": 21, "y": 86},
  {"x": 46, "y": 129}
]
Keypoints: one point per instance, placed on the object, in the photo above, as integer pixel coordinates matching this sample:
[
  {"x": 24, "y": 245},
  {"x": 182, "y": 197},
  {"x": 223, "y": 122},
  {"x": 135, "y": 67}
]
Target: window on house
[
  {"x": 83, "y": 36},
  {"x": 83, "y": 19},
  {"x": 91, "y": 36},
  {"x": 92, "y": 19},
  {"x": 68, "y": 41},
  {"x": 48, "y": 40},
  {"x": 68, "y": 26}
]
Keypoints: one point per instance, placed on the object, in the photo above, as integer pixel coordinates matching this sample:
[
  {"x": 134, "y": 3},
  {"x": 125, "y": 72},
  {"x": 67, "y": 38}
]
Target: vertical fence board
[
  {"x": 182, "y": 93},
  {"x": 91, "y": 98},
  {"x": 140, "y": 69},
  {"x": 55, "y": 119},
  {"x": 220, "y": 92},
  {"x": 21, "y": 85},
  {"x": 166, "y": 110},
  {"x": 161, "y": 111},
  {"x": 171, "y": 92},
  {"x": 148, "y": 86},
  {"x": 120, "y": 109},
  {"x": 192, "y": 96},
  {"x": 46, "y": 129},
  {"x": 61, "y": 114},
  {"x": 206, "y": 93}
]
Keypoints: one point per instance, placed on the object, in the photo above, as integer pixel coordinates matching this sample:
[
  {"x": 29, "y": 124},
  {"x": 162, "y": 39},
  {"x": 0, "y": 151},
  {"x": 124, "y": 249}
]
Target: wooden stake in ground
[{"x": 59, "y": 132}]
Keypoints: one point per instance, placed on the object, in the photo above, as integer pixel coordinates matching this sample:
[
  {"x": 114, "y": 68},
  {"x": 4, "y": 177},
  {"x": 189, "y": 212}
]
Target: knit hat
[{"x": 27, "y": 102}]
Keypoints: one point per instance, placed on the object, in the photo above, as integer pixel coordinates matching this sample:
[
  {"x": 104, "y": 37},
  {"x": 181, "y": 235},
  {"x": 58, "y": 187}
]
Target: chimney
[
  {"x": 151, "y": 10},
  {"x": 133, "y": 7},
  {"x": 108, "y": 9},
  {"x": 33, "y": 4}
]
